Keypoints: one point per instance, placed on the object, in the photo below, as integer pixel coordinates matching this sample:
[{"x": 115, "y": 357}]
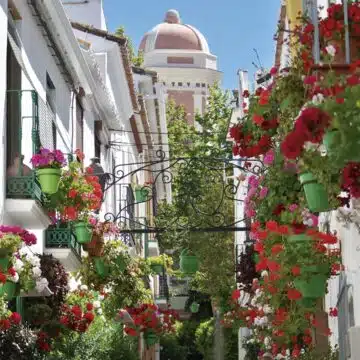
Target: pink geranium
[
  {"x": 269, "y": 157},
  {"x": 27, "y": 237},
  {"x": 263, "y": 192},
  {"x": 48, "y": 159}
]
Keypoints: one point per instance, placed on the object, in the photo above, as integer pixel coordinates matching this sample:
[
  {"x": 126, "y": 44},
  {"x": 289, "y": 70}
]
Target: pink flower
[
  {"x": 250, "y": 212},
  {"x": 293, "y": 207},
  {"x": 263, "y": 192},
  {"x": 253, "y": 181},
  {"x": 269, "y": 157}
]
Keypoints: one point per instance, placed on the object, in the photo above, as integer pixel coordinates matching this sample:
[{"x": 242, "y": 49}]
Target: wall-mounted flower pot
[
  {"x": 314, "y": 286},
  {"x": 150, "y": 338},
  {"x": 96, "y": 246},
  {"x": 49, "y": 180},
  {"x": 189, "y": 264},
  {"x": 331, "y": 141},
  {"x": 4, "y": 263},
  {"x": 299, "y": 238},
  {"x": 83, "y": 232},
  {"x": 141, "y": 194},
  {"x": 315, "y": 193},
  {"x": 9, "y": 290},
  {"x": 157, "y": 269},
  {"x": 120, "y": 262},
  {"x": 194, "y": 307},
  {"x": 102, "y": 268}
]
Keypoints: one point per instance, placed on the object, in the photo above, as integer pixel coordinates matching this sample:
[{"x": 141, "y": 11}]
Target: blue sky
[{"x": 232, "y": 27}]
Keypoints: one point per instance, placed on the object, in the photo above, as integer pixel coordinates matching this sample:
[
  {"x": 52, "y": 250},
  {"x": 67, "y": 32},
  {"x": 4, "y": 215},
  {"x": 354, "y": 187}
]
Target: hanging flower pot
[
  {"x": 141, "y": 194},
  {"x": 83, "y": 232},
  {"x": 49, "y": 180},
  {"x": 299, "y": 238},
  {"x": 157, "y": 269},
  {"x": 120, "y": 262},
  {"x": 189, "y": 264},
  {"x": 9, "y": 290},
  {"x": 332, "y": 141},
  {"x": 4, "y": 264},
  {"x": 314, "y": 286},
  {"x": 194, "y": 307},
  {"x": 102, "y": 268},
  {"x": 316, "y": 196},
  {"x": 150, "y": 338},
  {"x": 95, "y": 247}
]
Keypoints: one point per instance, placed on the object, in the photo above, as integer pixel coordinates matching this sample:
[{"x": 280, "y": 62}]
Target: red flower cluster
[
  {"x": 27, "y": 237},
  {"x": 244, "y": 143},
  {"x": 149, "y": 316},
  {"x": 351, "y": 179},
  {"x": 75, "y": 319},
  {"x": 309, "y": 126},
  {"x": 13, "y": 319}
]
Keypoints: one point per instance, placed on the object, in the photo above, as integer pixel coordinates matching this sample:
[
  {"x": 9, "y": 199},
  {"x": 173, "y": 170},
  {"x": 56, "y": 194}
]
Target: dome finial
[{"x": 172, "y": 17}]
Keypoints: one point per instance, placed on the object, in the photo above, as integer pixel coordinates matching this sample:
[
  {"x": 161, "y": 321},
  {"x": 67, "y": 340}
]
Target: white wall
[
  {"x": 3, "y": 51},
  {"x": 91, "y": 13}
]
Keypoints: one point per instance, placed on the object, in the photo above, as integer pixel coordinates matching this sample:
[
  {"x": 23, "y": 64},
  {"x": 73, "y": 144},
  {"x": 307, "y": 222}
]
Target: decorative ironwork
[
  {"x": 62, "y": 237},
  {"x": 163, "y": 170},
  {"x": 23, "y": 187}
]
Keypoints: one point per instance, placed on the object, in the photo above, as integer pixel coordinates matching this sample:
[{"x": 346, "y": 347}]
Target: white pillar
[{"x": 3, "y": 51}]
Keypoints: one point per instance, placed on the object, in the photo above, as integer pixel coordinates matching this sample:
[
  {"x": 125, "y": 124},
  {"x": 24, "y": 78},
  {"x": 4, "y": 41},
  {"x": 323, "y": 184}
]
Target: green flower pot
[
  {"x": 157, "y": 269},
  {"x": 150, "y": 338},
  {"x": 194, "y": 307},
  {"x": 49, "y": 180},
  {"x": 189, "y": 264},
  {"x": 8, "y": 290},
  {"x": 83, "y": 232},
  {"x": 299, "y": 238},
  {"x": 315, "y": 193},
  {"x": 4, "y": 264},
  {"x": 102, "y": 269},
  {"x": 141, "y": 195},
  {"x": 120, "y": 263},
  {"x": 315, "y": 285}
]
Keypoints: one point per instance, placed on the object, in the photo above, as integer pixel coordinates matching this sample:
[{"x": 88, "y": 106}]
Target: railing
[
  {"x": 62, "y": 237},
  {"x": 163, "y": 293}
]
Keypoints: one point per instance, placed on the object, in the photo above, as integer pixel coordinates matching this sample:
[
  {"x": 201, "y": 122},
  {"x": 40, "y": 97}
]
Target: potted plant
[
  {"x": 78, "y": 196},
  {"x": 189, "y": 263},
  {"x": 142, "y": 192},
  {"x": 12, "y": 238},
  {"x": 48, "y": 166},
  {"x": 159, "y": 263}
]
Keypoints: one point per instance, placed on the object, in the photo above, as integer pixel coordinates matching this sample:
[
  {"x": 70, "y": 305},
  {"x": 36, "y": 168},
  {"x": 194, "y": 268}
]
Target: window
[
  {"x": 48, "y": 124},
  {"x": 79, "y": 126}
]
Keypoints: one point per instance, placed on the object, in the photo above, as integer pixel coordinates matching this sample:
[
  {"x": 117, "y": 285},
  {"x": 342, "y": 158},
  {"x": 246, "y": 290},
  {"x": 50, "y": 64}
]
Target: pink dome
[{"x": 173, "y": 35}]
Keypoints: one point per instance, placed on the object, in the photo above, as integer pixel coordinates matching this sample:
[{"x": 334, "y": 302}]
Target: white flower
[
  {"x": 96, "y": 304},
  {"x": 83, "y": 287},
  {"x": 267, "y": 341},
  {"x": 18, "y": 265},
  {"x": 41, "y": 284},
  {"x": 101, "y": 297},
  {"x": 267, "y": 309},
  {"x": 36, "y": 272},
  {"x": 331, "y": 50},
  {"x": 14, "y": 278},
  {"x": 99, "y": 311},
  {"x": 23, "y": 251},
  {"x": 318, "y": 99},
  {"x": 264, "y": 273},
  {"x": 33, "y": 259}
]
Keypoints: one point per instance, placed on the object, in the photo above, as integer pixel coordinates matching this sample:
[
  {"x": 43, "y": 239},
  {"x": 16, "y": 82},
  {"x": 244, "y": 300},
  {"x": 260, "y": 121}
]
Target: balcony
[
  {"x": 28, "y": 120},
  {"x": 179, "y": 294},
  {"x": 61, "y": 243}
]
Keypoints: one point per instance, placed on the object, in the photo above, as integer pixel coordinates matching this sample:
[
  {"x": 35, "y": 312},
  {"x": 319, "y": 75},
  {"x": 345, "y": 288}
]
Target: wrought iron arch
[{"x": 163, "y": 171}]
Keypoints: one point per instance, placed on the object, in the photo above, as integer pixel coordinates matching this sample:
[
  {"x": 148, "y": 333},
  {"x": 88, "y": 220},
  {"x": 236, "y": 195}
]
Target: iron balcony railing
[{"x": 62, "y": 237}]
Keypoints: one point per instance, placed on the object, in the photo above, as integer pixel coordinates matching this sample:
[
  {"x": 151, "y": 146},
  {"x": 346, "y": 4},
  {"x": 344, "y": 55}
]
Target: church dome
[{"x": 173, "y": 35}]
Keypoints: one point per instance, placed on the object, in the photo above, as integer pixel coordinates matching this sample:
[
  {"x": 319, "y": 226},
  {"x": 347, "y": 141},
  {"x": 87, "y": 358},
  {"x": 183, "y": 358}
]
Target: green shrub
[
  {"x": 171, "y": 348},
  {"x": 204, "y": 339}
]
